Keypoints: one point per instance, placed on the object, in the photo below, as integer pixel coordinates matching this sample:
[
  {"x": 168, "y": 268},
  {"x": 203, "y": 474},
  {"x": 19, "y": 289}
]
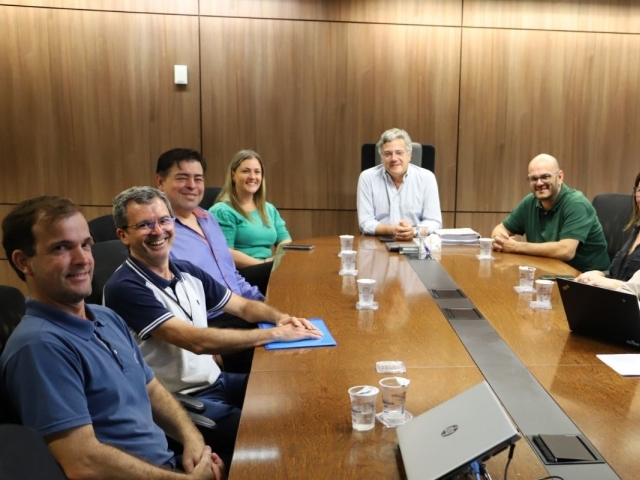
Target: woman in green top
[{"x": 251, "y": 225}]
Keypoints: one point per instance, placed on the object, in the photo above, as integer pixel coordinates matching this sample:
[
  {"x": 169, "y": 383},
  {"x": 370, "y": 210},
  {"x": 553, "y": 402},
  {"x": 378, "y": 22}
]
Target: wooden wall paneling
[
  {"x": 483, "y": 223},
  {"x": 448, "y": 219},
  {"x": 91, "y": 212},
  {"x": 572, "y": 95},
  {"x": 184, "y": 7},
  {"x": 306, "y": 95},
  {"x": 89, "y": 102},
  {"x": 320, "y": 223},
  {"x": 414, "y": 12},
  {"x": 622, "y": 16},
  {"x": 9, "y": 277}
]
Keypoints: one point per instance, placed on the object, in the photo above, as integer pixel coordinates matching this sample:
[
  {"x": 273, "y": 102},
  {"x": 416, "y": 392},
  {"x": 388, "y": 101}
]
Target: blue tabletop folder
[{"x": 326, "y": 340}]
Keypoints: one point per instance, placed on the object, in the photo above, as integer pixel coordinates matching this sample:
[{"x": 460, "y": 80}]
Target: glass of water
[{"x": 363, "y": 406}]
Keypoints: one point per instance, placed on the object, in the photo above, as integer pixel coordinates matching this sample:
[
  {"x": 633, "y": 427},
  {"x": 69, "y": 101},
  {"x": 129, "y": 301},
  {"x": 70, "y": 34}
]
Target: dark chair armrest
[
  {"x": 202, "y": 422},
  {"x": 192, "y": 404}
]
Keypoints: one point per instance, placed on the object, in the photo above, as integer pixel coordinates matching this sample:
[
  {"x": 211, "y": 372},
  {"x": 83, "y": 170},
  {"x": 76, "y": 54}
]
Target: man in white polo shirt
[{"x": 165, "y": 304}]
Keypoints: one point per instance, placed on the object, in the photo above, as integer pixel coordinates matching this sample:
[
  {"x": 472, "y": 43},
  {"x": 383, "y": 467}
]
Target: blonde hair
[{"x": 228, "y": 193}]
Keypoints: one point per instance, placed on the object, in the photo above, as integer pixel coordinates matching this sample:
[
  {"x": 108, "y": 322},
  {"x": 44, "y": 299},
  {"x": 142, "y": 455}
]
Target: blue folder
[{"x": 326, "y": 340}]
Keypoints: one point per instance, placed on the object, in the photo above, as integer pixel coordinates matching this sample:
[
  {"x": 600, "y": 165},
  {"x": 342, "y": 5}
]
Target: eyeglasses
[
  {"x": 398, "y": 153},
  {"x": 545, "y": 177},
  {"x": 165, "y": 223}
]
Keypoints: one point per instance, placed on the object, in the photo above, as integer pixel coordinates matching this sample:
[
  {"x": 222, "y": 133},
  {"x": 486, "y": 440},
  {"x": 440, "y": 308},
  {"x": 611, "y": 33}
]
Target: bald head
[
  {"x": 544, "y": 161},
  {"x": 545, "y": 179}
]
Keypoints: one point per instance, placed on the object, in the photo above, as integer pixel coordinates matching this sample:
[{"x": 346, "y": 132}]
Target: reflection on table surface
[{"x": 296, "y": 421}]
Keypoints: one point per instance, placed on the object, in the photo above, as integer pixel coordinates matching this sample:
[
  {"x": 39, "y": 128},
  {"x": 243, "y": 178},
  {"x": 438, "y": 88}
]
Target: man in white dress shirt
[{"x": 396, "y": 197}]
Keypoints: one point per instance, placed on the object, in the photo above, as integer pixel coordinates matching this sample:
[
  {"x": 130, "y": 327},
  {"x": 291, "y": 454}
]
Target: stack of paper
[{"x": 458, "y": 236}]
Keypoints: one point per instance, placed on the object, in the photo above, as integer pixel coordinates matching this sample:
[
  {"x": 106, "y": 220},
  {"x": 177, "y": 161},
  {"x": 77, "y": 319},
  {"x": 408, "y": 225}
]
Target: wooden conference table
[{"x": 296, "y": 421}]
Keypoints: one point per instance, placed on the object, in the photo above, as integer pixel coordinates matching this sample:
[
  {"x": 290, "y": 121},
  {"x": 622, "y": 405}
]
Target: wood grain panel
[
  {"x": 571, "y": 95},
  {"x": 483, "y": 223},
  {"x": 320, "y": 223},
  {"x": 579, "y": 15},
  {"x": 89, "y": 101},
  {"x": 289, "y": 418},
  {"x": 414, "y": 12},
  {"x": 537, "y": 337},
  {"x": 306, "y": 95},
  {"x": 185, "y": 7},
  {"x": 9, "y": 277},
  {"x": 616, "y": 399}
]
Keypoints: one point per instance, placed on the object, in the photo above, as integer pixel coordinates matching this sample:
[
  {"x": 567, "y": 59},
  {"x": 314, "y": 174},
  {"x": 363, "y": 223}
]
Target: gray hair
[
  {"x": 140, "y": 195},
  {"x": 391, "y": 135}
]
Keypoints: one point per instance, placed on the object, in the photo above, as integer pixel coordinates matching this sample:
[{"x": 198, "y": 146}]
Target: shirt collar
[
  {"x": 152, "y": 276},
  {"x": 563, "y": 193},
  {"x": 387, "y": 176},
  {"x": 200, "y": 212},
  {"x": 76, "y": 325}
]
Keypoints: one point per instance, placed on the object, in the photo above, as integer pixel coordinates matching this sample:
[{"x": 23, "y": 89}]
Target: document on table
[
  {"x": 626, "y": 364},
  {"x": 326, "y": 340}
]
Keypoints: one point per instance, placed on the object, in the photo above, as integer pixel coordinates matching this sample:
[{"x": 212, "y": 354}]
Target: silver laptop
[
  {"x": 443, "y": 441},
  {"x": 601, "y": 313}
]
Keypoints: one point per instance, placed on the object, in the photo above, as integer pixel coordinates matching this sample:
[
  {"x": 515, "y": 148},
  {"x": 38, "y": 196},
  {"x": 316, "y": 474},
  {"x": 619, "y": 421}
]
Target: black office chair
[
  {"x": 209, "y": 197},
  {"x": 12, "y": 309},
  {"x": 25, "y": 456},
  {"x": 23, "y": 453},
  {"x": 103, "y": 229},
  {"x": 107, "y": 257},
  {"x": 614, "y": 212},
  {"x": 421, "y": 155}
]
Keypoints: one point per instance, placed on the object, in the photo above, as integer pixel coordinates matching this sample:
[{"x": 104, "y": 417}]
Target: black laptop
[{"x": 601, "y": 313}]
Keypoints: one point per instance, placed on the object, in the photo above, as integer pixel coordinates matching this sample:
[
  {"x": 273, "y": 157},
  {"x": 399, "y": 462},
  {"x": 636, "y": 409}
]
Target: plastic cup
[
  {"x": 346, "y": 243},
  {"x": 363, "y": 407},
  {"x": 348, "y": 260},
  {"x": 527, "y": 274},
  {"x": 366, "y": 288},
  {"x": 394, "y": 397},
  {"x": 543, "y": 293},
  {"x": 486, "y": 245}
]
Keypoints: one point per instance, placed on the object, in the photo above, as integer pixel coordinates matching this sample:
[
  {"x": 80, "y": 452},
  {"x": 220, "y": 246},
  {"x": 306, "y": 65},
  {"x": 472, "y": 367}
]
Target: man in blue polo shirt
[
  {"x": 72, "y": 371},
  {"x": 559, "y": 222}
]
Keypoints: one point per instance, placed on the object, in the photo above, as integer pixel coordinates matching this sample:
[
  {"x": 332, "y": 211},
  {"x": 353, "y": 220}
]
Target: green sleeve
[
  {"x": 279, "y": 224},
  {"x": 516, "y": 221},
  {"x": 228, "y": 220},
  {"x": 576, "y": 222}
]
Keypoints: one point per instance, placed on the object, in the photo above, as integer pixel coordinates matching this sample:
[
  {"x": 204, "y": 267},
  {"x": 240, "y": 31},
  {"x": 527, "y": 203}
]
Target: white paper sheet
[{"x": 626, "y": 364}]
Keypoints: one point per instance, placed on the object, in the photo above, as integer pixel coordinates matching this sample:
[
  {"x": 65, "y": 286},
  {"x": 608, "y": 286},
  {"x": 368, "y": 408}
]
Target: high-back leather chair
[
  {"x": 209, "y": 197},
  {"x": 25, "y": 456},
  {"x": 103, "y": 229},
  {"x": 421, "y": 156},
  {"x": 614, "y": 212},
  {"x": 107, "y": 257},
  {"x": 12, "y": 309}
]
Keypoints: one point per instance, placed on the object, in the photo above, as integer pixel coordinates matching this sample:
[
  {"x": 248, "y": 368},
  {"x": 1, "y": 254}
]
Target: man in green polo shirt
[{"x": 558, "y": 221}]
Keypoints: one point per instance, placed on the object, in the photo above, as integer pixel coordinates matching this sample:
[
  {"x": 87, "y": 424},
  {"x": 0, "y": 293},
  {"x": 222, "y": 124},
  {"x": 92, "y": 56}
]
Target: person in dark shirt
[{"x": 627, "y": 261}]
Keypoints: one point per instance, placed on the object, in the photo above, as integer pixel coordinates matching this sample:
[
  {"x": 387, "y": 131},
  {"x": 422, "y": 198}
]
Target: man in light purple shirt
[{"x": 199, "y": 240}]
